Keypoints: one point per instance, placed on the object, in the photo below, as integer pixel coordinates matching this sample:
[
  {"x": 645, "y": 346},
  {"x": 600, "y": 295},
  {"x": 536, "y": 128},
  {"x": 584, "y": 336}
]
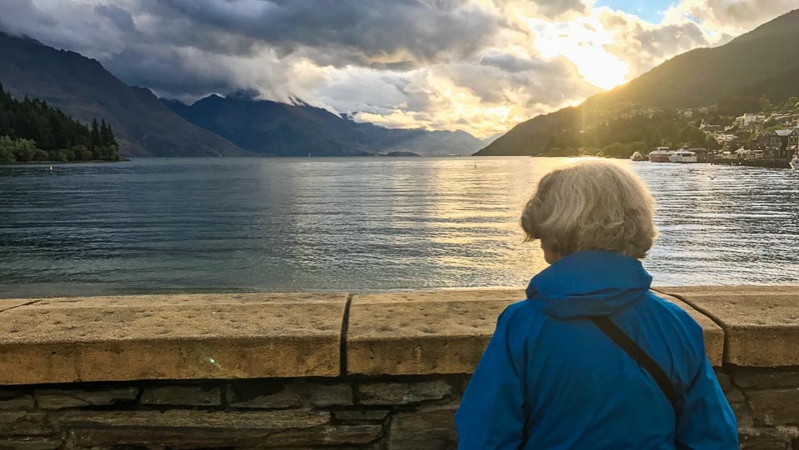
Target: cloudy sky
[{"x": 481, "y": 66}]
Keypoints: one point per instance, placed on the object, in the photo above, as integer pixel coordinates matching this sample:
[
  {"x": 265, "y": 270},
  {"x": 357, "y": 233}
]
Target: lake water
[{"x": 357, "y": 224}]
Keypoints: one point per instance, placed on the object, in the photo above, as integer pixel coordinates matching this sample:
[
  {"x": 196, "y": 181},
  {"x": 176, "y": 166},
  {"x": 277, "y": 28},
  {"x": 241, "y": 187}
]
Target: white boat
[
  {"x": 795, "y": 162},
  {"x": 637, "y": 156},
  {"x": 683, "y": 156},
  {"x": 660, "y": 154}
]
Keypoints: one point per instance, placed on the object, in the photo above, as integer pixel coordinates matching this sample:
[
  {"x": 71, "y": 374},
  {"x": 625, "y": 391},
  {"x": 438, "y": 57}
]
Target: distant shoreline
[{"x": 51, "y": 163}]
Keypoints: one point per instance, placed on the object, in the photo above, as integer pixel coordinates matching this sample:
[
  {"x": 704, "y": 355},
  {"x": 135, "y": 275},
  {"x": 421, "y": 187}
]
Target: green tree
[
  {"x": 22, "y": 150},
  {"x": 53, "y": 134}
]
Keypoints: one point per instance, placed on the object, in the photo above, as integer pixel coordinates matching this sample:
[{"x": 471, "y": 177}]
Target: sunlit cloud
[
  {"x": 481, "y": 66},
  {"x": 582, "y": 41}
]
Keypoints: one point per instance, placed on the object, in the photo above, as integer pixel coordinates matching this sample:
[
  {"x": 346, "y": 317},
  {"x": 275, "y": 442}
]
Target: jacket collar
[{"x": 588, "y": 283}]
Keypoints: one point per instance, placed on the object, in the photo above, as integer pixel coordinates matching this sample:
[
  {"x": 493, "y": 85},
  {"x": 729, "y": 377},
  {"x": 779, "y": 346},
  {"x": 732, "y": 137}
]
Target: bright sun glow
[{"x": 581, "y": 42}]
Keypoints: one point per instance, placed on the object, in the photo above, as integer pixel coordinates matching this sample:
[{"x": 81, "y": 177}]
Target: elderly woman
[{"x": 592, "y": 359}]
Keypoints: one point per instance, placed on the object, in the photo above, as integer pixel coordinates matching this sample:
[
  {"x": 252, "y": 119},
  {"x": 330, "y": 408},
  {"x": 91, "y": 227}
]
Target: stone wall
[{"x": 380, "y": 371}]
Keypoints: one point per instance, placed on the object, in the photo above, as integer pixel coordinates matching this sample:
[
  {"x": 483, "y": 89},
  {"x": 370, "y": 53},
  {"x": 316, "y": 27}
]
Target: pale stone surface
[
  {"x": 171, "y": 337},
  {"x": 10, "y": 304},
  {"x": 76, "y": 398},
  {"x": 440, "y": 332},
  {"x": 713, "y": 334},
  {"x": 761, "y": 323},
  {"x": 415, "y": 333}
]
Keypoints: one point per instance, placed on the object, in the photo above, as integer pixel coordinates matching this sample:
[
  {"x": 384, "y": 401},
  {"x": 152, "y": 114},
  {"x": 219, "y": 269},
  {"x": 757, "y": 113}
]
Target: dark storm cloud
[
  {"x": 509, "y": 63},
  {"x": 358, "y": 31},
  {"x": 119, "y": 16},
  {"x": 171, "y": 72},
  {"x": 21, "y": 17}
]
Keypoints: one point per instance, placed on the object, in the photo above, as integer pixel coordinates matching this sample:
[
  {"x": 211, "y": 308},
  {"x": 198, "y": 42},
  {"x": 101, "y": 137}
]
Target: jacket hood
[{"x": 588, "y": 283}]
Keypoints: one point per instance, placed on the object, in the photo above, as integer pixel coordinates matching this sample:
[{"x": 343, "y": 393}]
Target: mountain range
[
  {"x": 732, "y": 76},
  {"x": 82, "y": 88},
  {"x": 271, "y": 128},
  {"x": 236, "y": 125}
]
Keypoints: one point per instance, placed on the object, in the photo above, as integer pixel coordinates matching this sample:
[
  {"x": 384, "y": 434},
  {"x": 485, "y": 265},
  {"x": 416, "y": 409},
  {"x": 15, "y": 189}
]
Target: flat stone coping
[
  {"x": 171, "y": 337},
  {"x": 445, "y": 332},
  {"x": 418, "y": 333},
  {"x": 713, "y": 333},
  {"x": 237, "y": 336},
  {"x": 761, "y": 324}
]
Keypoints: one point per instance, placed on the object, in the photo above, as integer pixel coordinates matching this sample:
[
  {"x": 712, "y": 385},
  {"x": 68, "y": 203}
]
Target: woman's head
[{"x": 591, "y": 205}]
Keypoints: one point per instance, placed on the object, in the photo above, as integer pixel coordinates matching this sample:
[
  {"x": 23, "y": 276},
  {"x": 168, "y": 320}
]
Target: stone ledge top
[
  {"x": 714, "y": 334},
  {"x": 761, "y": 324},
  {"x": 171, "y": 337},
  {"x": 444, "y": 332},
  {"x": 228, "y": 336},
  {"x": 419, "y": 333}
]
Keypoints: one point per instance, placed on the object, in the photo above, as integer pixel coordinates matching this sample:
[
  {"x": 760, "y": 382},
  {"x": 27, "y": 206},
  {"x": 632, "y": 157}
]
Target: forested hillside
[{"x": 32, "y": 130}]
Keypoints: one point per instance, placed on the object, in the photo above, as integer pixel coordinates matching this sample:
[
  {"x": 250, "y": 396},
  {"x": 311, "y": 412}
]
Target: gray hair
[{"x": 591, "y": 205}]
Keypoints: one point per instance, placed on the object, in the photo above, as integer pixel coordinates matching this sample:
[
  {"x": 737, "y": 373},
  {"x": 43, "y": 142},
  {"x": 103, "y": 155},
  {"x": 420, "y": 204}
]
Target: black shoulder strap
[{"x": 628, "y": 345}]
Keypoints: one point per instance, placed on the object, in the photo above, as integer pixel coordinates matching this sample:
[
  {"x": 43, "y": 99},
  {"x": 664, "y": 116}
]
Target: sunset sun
[{"x": 583, "y": 43}]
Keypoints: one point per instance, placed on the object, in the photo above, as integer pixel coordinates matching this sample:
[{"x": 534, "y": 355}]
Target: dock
[{"x": 767, "y": 163}]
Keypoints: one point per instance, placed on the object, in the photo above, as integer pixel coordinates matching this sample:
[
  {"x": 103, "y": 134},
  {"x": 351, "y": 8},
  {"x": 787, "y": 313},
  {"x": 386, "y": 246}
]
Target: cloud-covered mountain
[
  {"x": 733, "y": 76},
  {"x": 279, "y": 129},
  {"x": 84, "y": 89}
]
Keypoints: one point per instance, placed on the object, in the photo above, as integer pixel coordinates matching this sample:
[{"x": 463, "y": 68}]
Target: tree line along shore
[{"x": 33, "y": 131}]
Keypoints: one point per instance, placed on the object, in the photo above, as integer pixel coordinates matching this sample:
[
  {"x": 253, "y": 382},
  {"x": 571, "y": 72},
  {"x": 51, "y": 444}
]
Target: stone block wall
[
  {"x": 390, "y": 413},
  {"x": 315, "y": 371},
  {"x": 766, "y": 403}
]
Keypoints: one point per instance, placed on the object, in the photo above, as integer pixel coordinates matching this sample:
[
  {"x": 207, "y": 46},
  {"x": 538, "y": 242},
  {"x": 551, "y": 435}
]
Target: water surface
[{"x": 357, "y": 224}]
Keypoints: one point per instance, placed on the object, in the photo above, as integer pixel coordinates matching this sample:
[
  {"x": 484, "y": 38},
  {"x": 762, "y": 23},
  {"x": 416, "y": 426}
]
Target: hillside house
[
  {"x": 777, "y": 143},
  {"x": 749, "y": 120},
  {"x": 711, "y": 129},
  {"x": 725, "y": 138}
]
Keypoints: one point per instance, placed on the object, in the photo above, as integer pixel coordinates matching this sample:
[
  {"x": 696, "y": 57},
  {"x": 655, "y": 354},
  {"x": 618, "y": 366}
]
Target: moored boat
[
  {"x": 637, "y": 156},
  {"x": 683, "y": 156},
  {"x": 660, "y": 154},
  {"x": 795, "y": 162}
]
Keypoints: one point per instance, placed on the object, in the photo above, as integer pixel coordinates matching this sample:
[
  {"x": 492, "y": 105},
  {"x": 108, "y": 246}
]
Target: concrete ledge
[
  {"x": 229, "y": 336},
  {"x": 11, "y": 304},
  {"x": 713, "y": 334},
  {"x": 761, "y": 324},
  {"x": 445, "y": 332},
  {"x": 416, "y": 333},
  {"x": 171, "y": 337}
]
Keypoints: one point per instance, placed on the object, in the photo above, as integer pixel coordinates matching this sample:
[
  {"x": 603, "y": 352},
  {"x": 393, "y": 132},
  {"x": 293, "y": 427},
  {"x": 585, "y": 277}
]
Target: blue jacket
[{"x": 550, "y": 379}]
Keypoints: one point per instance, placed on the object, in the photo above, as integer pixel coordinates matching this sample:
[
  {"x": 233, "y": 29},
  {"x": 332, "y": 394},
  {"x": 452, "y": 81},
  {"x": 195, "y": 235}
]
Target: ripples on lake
[{"x": 357, "y": 224}]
